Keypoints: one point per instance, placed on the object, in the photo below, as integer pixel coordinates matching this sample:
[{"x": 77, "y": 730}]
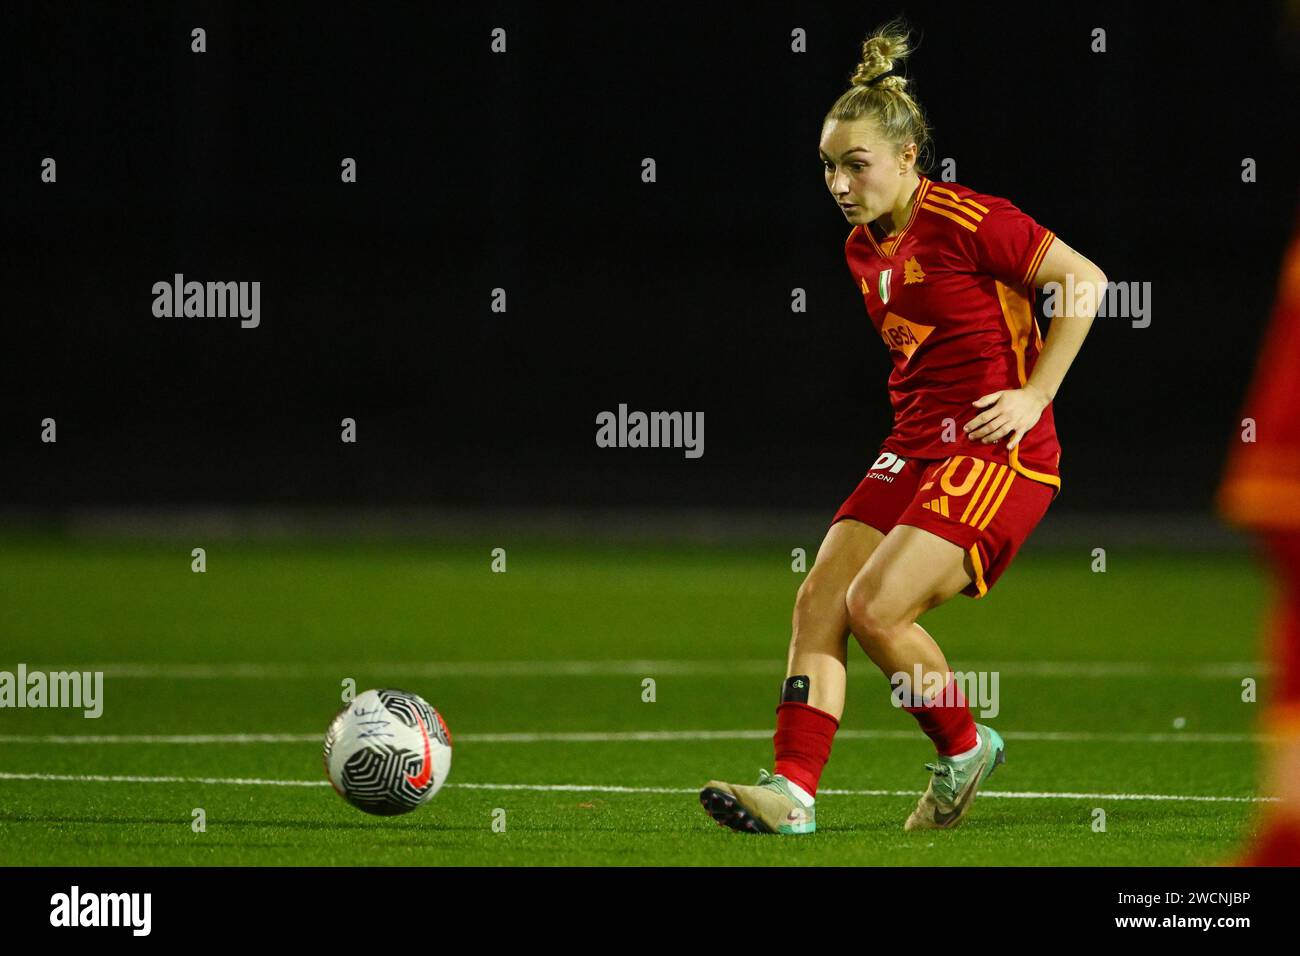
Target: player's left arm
[{"x": 1012, "y": 412}]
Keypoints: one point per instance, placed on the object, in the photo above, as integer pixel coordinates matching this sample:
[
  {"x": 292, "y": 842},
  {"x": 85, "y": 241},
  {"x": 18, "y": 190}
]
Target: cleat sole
[{"x": 727, "y": 812}]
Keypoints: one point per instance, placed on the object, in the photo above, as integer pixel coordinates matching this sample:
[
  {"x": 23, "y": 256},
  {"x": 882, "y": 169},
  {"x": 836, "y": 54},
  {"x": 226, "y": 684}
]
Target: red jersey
[
  {"x": 1261, "y": 487},
  {"x": 952, "y": 296}
]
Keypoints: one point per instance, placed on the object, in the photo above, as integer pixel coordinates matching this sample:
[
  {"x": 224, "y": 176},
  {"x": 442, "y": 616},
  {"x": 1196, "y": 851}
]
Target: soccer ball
[{"x": 387, "y": 752}]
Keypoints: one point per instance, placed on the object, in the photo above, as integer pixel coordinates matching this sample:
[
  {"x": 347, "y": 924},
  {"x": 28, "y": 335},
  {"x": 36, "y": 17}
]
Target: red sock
[
  {"x": 1278, "y": 845},
  {"x": 803, "y": 743},
  {"x": 949, "y": 725}
]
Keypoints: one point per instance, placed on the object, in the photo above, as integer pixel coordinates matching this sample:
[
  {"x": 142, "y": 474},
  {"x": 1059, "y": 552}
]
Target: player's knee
[
  {"x": 818, "y": 621},
  {"x": 870, "y": 617},
  {"x": 817, "y": 595}
]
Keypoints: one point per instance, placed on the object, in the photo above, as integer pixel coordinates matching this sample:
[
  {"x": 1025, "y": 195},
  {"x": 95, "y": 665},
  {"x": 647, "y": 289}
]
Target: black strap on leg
[{"x": 796, "y": 689}]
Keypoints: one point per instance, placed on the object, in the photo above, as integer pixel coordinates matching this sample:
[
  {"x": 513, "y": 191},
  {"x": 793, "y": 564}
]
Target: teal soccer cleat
[
  {"x": 767, "y": 807},
  {"x": 954, "y": 784}
]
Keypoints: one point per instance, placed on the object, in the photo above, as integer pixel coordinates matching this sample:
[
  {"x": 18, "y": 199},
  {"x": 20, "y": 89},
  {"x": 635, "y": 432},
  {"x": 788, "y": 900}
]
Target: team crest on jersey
[
  {"x": 912, "y": 272},
  {"x": 884, "y": 286}
]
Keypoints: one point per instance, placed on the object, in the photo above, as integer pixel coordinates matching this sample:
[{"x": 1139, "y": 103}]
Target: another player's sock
[
  {"x": 946, "y": 720},
  {"x": 803, "y": 738},
  {"x": 1278, "y": 845}
]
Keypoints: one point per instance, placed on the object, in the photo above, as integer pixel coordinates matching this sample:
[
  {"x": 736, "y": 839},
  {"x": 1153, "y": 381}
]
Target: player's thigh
[
  {"x": 911, "y": 571},
  {"x": 846, "y": 548},
  {"x": 847, "y": 545}
]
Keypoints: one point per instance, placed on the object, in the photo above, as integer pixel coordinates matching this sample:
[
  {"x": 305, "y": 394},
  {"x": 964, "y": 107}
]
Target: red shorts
[{"x": 983, "y": 507}]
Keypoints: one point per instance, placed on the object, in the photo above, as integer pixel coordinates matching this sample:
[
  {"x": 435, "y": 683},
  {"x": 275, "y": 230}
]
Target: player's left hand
[{"x": 1009, "y": 412}]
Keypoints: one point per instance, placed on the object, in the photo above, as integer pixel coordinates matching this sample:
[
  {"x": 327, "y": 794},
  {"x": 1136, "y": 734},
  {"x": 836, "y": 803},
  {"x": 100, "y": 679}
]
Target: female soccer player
[{"x": 947, "y": 276}]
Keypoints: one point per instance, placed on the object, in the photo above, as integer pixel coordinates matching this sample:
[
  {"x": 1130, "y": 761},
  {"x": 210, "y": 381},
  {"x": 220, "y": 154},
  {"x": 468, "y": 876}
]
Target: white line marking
[
  {"x": 600, "y": 788},
  {"x": 583, "y": 737},
  {"x": 251, "y": 670},
  {"x": 160, "y": 738},
  {"x": 122, "y": 778},
  {"x": 766, "y": 734}
]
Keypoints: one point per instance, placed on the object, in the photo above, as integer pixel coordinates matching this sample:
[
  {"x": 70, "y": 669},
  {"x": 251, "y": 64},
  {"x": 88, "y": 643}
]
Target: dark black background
[
  {"x": 231, "y": 905},
  {"x": 523, "y": 171}
]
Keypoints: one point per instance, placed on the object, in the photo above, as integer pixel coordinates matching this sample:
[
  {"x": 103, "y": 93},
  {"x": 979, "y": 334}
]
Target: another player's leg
[
  {"x": 911, "y": 572},
  {"x": 812, "y": 698},
  {"x": 1278, "y": 840}
]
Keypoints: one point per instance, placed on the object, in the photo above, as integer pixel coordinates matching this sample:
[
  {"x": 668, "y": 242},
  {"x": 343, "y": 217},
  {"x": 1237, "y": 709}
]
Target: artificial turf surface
[{"x": 1138, "y": 668}]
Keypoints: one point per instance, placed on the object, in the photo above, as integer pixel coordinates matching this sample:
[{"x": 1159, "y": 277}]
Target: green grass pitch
[{"x": 1115, "y": 688}]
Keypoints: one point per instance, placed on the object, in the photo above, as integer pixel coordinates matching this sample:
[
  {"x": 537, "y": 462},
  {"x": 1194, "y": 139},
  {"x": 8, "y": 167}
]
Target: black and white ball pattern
[{"x": 387, "y": 752}]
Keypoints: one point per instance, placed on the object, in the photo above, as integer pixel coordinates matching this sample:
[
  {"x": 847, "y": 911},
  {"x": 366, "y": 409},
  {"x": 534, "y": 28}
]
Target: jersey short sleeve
[{"x": 1008, "y": 244}]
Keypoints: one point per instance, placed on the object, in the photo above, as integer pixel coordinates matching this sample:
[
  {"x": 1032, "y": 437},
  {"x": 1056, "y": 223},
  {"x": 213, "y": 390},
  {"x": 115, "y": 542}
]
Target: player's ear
[{"x": 906, "y": 159}]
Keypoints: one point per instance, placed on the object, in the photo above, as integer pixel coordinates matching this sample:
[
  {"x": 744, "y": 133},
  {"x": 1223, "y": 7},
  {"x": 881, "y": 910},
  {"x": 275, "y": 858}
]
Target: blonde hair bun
[
  {"x": 877, "y": 92},
  {"x": 883, "y": 51}
]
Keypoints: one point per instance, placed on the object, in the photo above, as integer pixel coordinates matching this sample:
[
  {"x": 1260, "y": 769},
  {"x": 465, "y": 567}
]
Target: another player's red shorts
[{"x": 982, "y": 506}]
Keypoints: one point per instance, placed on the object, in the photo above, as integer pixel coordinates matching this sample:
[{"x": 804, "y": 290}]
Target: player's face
[{"x": 863, "y": 172}]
